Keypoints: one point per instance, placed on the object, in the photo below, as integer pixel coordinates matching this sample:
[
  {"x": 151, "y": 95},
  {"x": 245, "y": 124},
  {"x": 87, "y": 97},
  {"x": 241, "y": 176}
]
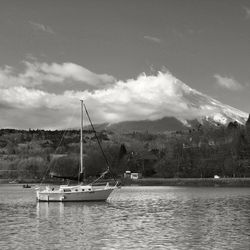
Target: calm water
[{"x": 133, "y": 218}]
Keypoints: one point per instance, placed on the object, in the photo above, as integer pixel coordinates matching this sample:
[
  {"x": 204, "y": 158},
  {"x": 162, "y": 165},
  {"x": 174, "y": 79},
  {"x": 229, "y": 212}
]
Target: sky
[{"x": 126, "y": 59}]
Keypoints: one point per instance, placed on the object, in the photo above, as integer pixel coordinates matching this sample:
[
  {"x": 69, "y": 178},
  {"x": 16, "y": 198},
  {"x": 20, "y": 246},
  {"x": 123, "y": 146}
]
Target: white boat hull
[{"x": 60, "y": 196}]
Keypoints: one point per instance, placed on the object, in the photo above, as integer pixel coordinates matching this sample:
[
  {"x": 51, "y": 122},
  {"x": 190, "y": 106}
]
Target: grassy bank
[{"x": 191, "y": 182}]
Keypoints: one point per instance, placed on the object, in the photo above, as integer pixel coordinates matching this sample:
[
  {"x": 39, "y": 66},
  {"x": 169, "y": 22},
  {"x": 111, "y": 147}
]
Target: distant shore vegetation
[{"x": 199, "y": 152}]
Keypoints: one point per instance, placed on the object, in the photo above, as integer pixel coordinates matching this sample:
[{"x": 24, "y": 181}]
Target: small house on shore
[{"x": 134, "y": 176}]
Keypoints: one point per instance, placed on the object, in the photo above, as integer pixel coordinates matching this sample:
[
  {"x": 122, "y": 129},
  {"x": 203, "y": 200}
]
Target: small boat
[
  {"x": 26, "y": 186},
  {"x": 79, "y": 192}
]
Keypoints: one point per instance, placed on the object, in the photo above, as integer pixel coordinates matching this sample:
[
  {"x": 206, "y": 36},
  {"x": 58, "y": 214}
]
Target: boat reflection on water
[
  {"x": 45, "y": 210},
  {"x": 59, "y": 209}
]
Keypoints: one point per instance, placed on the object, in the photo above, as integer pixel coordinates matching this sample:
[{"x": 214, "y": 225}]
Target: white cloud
[
  {"x": 153, "y": 39},
  {"x": 36, "y": 73},
  {"x": 247, "y": 12},
  {"x": 75, "y": 72},
  {"x": 227, "y": 82},
  {"x": 41, "y": 27}
]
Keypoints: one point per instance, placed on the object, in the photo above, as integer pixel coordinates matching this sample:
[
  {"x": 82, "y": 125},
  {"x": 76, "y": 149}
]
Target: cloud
[
  {"x": 227, "y": 82},
  {"x": 36, "y": 73},
  {"x": 32, "y": 108},
  {"x": 145, "y": 97},
  {"x": 153, "y": 39},
  {"x": 41, "y": 27},
  {"x": 247, "y": 12}
]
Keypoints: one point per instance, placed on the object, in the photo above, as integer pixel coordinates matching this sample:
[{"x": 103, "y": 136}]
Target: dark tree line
[{"x": 198, "y": 152}]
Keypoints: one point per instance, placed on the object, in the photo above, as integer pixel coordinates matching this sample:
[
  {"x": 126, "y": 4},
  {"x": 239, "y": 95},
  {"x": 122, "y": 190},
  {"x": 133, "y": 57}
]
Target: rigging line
[
  {"x": 101, "y": 176},
  {"x": 64, "y": 134},
  {"x": 98, "y": 141}
]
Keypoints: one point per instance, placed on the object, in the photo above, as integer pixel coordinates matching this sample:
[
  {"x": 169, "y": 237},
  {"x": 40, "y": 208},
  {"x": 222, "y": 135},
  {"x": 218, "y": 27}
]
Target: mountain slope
[
  {"x": 200, "y": 108},
  {"x": 216, "y": 111},
  {"x": 156, "y": 126}
]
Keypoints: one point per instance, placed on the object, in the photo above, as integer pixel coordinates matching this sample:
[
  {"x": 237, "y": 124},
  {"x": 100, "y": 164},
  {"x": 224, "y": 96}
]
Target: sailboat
[{"x": 79, "y": 192}]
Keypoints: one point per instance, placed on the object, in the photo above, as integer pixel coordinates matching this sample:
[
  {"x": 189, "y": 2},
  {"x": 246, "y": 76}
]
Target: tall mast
[{"x": 82, "y": 175}]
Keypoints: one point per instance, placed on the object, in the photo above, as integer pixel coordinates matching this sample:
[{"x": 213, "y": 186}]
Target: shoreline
[
  {"x": 181, "y": 182},
  {"x": 189, "y": 182}
]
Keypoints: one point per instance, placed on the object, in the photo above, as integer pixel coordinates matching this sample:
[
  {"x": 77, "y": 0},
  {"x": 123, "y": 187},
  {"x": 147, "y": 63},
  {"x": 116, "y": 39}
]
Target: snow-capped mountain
[
  {"x": 217, "y": 112},
  {"x": 159, "y": 103},
  {"x": 201, "y": 108}
]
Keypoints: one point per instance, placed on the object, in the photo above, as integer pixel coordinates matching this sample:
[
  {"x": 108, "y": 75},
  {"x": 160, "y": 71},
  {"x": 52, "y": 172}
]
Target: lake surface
[{"x": 133, "y": 218}]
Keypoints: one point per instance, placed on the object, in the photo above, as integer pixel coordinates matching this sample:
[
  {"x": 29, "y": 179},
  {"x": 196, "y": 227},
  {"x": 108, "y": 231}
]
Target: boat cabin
[{"x": 66, "y": 189}]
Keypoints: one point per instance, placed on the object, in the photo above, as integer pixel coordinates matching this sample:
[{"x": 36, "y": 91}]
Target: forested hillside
[{"x": 198, "y": 152}]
